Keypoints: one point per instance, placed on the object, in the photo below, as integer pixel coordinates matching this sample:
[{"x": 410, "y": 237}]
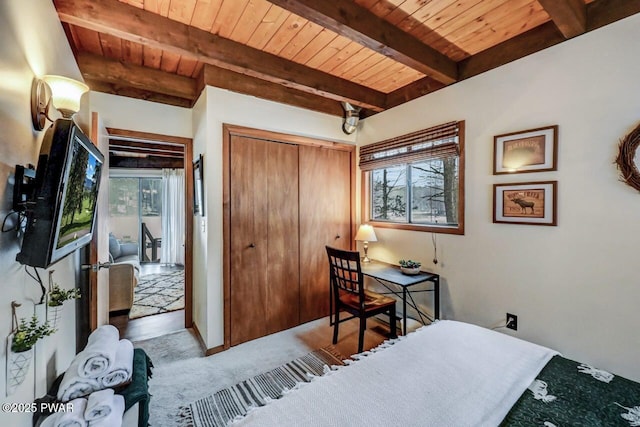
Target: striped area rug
[{"x": 218, "y": 409}]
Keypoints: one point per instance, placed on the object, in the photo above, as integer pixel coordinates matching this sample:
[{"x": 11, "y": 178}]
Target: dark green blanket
[
  {"x": 138, "y": 390},
  {"x": 568, "y": 393}
]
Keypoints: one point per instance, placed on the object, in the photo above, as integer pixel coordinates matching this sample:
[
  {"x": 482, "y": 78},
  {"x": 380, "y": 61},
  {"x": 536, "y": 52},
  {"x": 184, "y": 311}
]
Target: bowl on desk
[{"x": 410, "y": 271}]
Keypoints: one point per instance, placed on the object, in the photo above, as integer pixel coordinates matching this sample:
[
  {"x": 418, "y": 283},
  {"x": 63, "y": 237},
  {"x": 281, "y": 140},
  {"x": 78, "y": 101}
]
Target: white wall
[
  {"x": 33, "y": 44},
  {"x": 574, "y": 287},
  {"x": 227, "y": 107},
  {"x": 142, "y": 116}
]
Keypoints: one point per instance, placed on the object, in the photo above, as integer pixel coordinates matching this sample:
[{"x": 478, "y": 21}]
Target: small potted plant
[
  {"x": 409, "y": 266},
  {"x": 23, "y": 339},
  {"x": 57, "y": 296}
]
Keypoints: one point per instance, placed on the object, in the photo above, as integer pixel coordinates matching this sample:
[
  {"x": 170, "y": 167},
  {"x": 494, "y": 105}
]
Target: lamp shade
[
  {"x": 366, "y": 234},
  {"x": 65, "y": 94}
]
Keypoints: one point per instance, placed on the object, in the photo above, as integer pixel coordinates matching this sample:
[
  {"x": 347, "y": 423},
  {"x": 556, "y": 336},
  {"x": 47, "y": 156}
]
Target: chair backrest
[{"x": 345, "y": 273}]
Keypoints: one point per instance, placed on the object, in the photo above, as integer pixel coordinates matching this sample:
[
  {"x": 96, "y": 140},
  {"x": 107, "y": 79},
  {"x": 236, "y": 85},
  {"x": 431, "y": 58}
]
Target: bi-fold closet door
[{"x": 287, "y": 202}]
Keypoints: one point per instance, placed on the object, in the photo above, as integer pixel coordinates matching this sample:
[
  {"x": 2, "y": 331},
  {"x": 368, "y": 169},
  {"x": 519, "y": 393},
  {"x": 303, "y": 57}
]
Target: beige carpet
[
  {"x": 158, "y": 293},
  {"x": 181, "y": 375}
]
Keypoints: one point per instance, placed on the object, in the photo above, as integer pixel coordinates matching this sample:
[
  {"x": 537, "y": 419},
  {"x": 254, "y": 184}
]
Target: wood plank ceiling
[{"x": 375, "y": 54}]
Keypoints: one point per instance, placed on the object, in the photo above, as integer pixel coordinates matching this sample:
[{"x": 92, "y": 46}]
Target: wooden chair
[{"x": 347, "y": 288}]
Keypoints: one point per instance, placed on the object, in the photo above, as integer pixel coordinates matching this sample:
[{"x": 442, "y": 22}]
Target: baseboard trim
[
  {"x": 214, "y": 350},
  {"x": 207, "y": 351}
]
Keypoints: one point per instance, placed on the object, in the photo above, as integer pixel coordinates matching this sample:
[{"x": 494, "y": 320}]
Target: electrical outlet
[{"x": 512, "y": 321}]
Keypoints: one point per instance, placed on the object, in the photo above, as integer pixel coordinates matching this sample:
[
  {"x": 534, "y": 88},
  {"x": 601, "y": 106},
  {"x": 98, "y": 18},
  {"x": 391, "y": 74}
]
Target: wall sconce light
[
  {"x": 351, "y": 118},
  {"x": 64, "y": 93},
  {"x": 365, "y": 235}
]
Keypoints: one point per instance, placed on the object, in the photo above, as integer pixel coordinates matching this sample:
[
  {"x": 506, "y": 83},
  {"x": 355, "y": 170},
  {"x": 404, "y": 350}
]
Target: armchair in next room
[{"x": 123, "y": 273}]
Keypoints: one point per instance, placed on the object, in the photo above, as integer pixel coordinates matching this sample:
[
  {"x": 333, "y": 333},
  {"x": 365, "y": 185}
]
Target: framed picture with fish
[
  {"x": 531, "y": 203},
  {"x": 534, "y": 150}
]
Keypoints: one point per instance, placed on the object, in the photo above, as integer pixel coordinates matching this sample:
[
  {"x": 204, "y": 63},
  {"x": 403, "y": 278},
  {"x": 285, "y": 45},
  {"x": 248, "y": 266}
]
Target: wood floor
[
  {"x": 150, "y": 326},
  {"x": 321, "y": 335}
]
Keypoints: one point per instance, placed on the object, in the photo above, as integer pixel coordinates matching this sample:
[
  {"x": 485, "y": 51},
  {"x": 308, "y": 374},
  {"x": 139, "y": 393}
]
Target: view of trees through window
[
  {"x": 128, "y": 196},
  {"x": 424, "y": 192}
]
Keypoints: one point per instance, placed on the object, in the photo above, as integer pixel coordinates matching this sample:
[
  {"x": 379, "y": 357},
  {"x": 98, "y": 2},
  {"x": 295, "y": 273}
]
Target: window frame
[{"x": 444, "y": 229}]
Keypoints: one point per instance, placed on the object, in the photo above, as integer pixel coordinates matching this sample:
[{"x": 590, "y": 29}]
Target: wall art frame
[
  {"x": 198, "y": 186},
  {"x": 533, "y": 150},
  {"x": 530, "y": 203}
]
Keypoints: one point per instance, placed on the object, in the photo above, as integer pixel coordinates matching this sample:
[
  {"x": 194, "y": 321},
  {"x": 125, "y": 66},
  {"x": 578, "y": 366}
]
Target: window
[{"x": 416, "y": 181}]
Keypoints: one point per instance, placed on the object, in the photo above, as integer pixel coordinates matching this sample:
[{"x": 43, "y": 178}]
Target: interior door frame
[
  {"x": 187, "y": 144},
  {"x": 230, "y": 130}
]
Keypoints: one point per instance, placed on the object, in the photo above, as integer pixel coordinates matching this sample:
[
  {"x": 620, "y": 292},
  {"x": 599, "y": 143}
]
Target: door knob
[
  {"x": 252, "y": 245},
  {"x": 96, "y": 267},
  {"x": 337, "y": 236}
]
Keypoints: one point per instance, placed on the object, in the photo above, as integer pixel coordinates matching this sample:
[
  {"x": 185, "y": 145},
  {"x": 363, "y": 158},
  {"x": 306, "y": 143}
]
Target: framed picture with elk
[
  {"x": 532, "y": 203},
  {"x": 534, "y": 150}
]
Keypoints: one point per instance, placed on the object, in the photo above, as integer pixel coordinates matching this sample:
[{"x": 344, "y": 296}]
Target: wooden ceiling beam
[
  {"x": 150, "y": 162},
  {"x": 605, "y": 12},
  {"x": 599, "y": 14},
  {"x": 146, "y": 152},
  {"x": 570, "y": 16},
  {"x": 98, "y": 68},
  {"x": 412, "y": 91},
  {"x": 116, "y": 143},
  {"x": 350, "y": 20},
  {"x": 131, "y": 23},
  {"x": 148, "y": 95},
  {"x": 240, "y": 83}
]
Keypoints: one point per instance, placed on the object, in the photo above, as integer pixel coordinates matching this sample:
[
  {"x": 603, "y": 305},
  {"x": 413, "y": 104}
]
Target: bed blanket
[
  {"x": 569, "y": 393},
  {"x": 446, "y": 374}
]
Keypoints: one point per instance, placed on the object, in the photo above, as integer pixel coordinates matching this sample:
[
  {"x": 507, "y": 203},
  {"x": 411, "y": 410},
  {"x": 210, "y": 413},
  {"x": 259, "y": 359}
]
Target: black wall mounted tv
[{"x": 61, "y": 204}]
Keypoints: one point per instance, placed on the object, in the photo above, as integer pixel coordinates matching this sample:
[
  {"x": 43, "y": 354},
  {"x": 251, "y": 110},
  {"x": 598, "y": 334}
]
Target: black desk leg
[
  {"x": 404, "y": 310},
  {"x": 436, "y": 303}
]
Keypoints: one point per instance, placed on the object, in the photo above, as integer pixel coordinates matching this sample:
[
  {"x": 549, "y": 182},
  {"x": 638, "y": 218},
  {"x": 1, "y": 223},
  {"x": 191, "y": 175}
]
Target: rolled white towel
[
  {"x": 122, "y": 368},
  {"x": 98, "y": 356},
  {"x": 72, "y": 418},
  {"x": 73, "y": 386},
  {"x": 114, "y": 419},
  {"x": 99, "y": 405}
]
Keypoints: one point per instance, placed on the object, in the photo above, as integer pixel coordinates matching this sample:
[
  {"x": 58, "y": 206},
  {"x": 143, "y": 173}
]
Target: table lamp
[{"x": 366, "y": 234}]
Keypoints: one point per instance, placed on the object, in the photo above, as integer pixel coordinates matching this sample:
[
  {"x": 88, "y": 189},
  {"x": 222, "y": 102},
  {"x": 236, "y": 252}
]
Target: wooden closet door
[
  {"x": 283, "y": 293},
  {"x": 264, "y": 292},
  {"x": 249, "y": 207},
  {"x": 325, "y": 219}
]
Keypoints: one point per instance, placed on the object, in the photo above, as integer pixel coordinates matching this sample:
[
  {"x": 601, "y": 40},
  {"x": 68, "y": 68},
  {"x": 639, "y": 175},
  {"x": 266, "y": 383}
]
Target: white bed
[{"x": 446, "y": 374}]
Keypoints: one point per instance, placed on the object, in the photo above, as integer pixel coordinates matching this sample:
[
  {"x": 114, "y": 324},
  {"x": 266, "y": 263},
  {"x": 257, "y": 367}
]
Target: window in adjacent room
[{"x": 416, "y": 181}]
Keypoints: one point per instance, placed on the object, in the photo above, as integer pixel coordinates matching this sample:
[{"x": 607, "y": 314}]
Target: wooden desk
[{"x": 386, "y": 274}]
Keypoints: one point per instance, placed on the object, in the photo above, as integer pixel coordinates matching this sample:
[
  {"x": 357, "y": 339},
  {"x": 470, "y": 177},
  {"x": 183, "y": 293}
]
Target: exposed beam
[
  {"x": 150, "y": 162},
  {"x": 225, "y": 79},
  {"x": 131, "y": 23},
  {"x": 525, "y": 44},
  {"x": 412, "y": 91},
  {"x": 605, "y": 12},
  {"x": 146, "y": 147},
  {"x": 131, "y": 92},
  {"x": 599, "y": 13},
  {"x": 570, "y": 16},
  {"x": 98, "y": 68},
  {"x": 143, "y": 151},
  {"x": 348, "y": 19}
]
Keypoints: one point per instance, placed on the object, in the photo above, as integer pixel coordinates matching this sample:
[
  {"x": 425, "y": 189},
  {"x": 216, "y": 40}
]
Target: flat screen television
[{"x": 61, "y": 208}]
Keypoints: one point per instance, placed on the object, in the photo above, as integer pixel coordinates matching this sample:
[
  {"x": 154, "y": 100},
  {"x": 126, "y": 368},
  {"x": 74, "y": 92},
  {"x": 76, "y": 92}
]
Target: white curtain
[{"x": 173, "y": 221}]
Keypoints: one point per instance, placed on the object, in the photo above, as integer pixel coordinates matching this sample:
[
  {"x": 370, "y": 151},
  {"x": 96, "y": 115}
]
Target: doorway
[{"x": 144, "y": 201}]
